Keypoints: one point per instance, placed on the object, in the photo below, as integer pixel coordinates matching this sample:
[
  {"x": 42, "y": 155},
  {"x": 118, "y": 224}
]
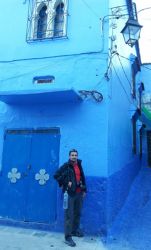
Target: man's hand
[{"x": 69, "y": 184}]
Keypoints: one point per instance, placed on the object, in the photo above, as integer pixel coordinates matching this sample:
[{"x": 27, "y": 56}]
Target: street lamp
[{"x": 131, "y": 32}]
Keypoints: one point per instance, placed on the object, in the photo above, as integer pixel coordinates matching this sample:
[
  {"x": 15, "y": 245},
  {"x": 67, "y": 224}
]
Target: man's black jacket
[{"x": 66, "y": 173}]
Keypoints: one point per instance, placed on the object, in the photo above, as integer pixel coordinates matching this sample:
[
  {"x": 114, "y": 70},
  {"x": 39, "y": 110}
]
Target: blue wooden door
[
  {"x": 16, "y": 156},
  {"x": 30, "y": 158},
  {"x": 42, "y": 187}
]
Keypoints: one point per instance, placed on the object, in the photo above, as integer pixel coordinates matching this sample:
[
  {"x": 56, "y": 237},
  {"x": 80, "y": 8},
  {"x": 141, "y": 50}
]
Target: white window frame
[{"x": 34, "y": 9}]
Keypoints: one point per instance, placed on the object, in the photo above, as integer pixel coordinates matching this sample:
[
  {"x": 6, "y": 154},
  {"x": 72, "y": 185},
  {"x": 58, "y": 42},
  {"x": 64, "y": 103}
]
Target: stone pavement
[{"x": 12, "y": 238}]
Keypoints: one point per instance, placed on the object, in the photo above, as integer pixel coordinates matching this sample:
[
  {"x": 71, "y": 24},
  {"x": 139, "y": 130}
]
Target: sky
[{"x": 144, "y": 17}]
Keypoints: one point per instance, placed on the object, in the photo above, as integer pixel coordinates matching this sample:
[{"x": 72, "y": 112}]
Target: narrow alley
[{"x": 132, "y": 229}]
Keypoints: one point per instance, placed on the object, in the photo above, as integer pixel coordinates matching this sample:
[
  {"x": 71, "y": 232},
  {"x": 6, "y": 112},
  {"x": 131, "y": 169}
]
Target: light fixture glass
[{"x": 131, "y": 32}]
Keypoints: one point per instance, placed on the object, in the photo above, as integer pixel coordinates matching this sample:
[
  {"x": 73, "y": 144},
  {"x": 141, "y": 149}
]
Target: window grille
[
  {"x": 47, "y": 19},
  {"x": 42, "y": 22},
  {"x": 59, "y": 20}
]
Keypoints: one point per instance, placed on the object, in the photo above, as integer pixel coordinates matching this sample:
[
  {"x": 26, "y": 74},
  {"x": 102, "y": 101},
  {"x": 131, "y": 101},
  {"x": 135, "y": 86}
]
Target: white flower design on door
[
  {"x": 14, "y": 175},
  {"x": 42, "y": 177}
]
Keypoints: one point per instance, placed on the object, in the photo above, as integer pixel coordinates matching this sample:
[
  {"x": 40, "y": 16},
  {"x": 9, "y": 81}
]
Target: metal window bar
[
  {"x": 33, "y": 17},
  {"x": 48, "y": 30},
  {"x": 42, "y": 22},
  {"x": 59, "y": 20}
]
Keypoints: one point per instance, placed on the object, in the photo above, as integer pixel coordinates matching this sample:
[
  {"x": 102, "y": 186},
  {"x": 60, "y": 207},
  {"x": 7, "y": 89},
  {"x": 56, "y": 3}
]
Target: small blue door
[{"x": 30, "y": 158}]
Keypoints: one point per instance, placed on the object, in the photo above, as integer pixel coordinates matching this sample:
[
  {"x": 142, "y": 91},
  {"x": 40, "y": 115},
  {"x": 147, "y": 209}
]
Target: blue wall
[
  {"x": 123, "y": 164},
  {"x": 73, "y": 120},
  {"x": 100, "y": 131},
  {"x": 83, "y": 30},
  {"x": 82, "y": 124}
]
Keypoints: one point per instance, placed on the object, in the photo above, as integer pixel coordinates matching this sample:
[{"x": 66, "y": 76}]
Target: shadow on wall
[{"x": 119, "y": 185}]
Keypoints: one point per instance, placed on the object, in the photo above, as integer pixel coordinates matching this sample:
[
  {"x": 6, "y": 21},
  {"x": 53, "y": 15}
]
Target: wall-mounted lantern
[{"x": 131, "y": 32}]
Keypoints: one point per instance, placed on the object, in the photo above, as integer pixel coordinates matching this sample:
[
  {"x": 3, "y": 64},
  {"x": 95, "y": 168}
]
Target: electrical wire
[
  {"x": 40, "y": 58},
  {"x": 49, "y": 57},
  {"x": 25, "y": 74},
  {"x": 121, "y": 84},
  {"x": 146, "y": 67},
  {"x": 131, "y": 60},
  {"x": 125, "y": 76},
  {"x": 143, "y": 9},
  {"x": 125, "y": 73},
  {"x": 124, "y": 70},
  {"x": 37, "y": 69},
  {"x": 102, "y": 79},
  {"x": 88, "y": 6},
  {"x": 109, "y": 66}
]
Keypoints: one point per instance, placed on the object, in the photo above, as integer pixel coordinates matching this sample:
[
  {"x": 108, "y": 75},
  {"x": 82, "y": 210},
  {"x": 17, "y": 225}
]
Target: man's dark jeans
[{"x": 72, "y": 214}]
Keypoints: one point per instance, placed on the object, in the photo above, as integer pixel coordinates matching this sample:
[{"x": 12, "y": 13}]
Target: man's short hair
[{"x": 73, "y": 150}]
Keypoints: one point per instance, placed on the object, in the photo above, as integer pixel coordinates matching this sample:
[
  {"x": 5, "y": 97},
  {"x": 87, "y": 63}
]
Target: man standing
[{"x": 71, "y": 178}]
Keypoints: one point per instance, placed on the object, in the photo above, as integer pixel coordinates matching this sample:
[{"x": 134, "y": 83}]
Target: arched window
[
  {"x": 47, "y": 19},
  {"x": 42, "y": 22},
  {"x": 59, "y": 21}
]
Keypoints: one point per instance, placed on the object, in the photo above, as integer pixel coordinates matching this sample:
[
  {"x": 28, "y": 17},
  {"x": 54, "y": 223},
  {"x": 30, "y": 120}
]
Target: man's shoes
[
  {"x": 78, "y": 233},
  {"x": 69, "y": 241}
]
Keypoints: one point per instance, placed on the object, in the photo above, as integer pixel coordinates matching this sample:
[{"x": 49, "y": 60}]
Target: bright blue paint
[
  {"x": 40, "y": 97},
  {"x": 26, "y": 199},
  {"x": 92, "y": 221},
  {"x": 101, "y": 132},
  {"x": 42, "y": 199},
  {"x": 14, "y": 205},
  {"x": 119, "y": 185},
  {"x": 83, "y": 25}
]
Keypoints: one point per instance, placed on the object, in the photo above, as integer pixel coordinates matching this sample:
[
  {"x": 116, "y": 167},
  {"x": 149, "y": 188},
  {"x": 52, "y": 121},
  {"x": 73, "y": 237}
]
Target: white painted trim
[{"x": 51, "y": 12}]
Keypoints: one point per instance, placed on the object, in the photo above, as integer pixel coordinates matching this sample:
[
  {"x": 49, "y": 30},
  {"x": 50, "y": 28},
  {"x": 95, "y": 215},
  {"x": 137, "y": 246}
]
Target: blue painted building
[
  {"x": 144, "y": 116},
  {"x": 67, "y": 81}
]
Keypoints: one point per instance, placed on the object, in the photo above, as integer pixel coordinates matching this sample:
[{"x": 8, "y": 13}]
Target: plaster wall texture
[
  {"x": 123, "y": 165},
  {"x": 75, "y": 126},
  {"x": 79, "y": 72},
  {"x": 83, "y": 31},
  {"x": 100, "y": 131},
  {"x": 78, "y": 126},
  {"x": 82, "y": 124}
]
